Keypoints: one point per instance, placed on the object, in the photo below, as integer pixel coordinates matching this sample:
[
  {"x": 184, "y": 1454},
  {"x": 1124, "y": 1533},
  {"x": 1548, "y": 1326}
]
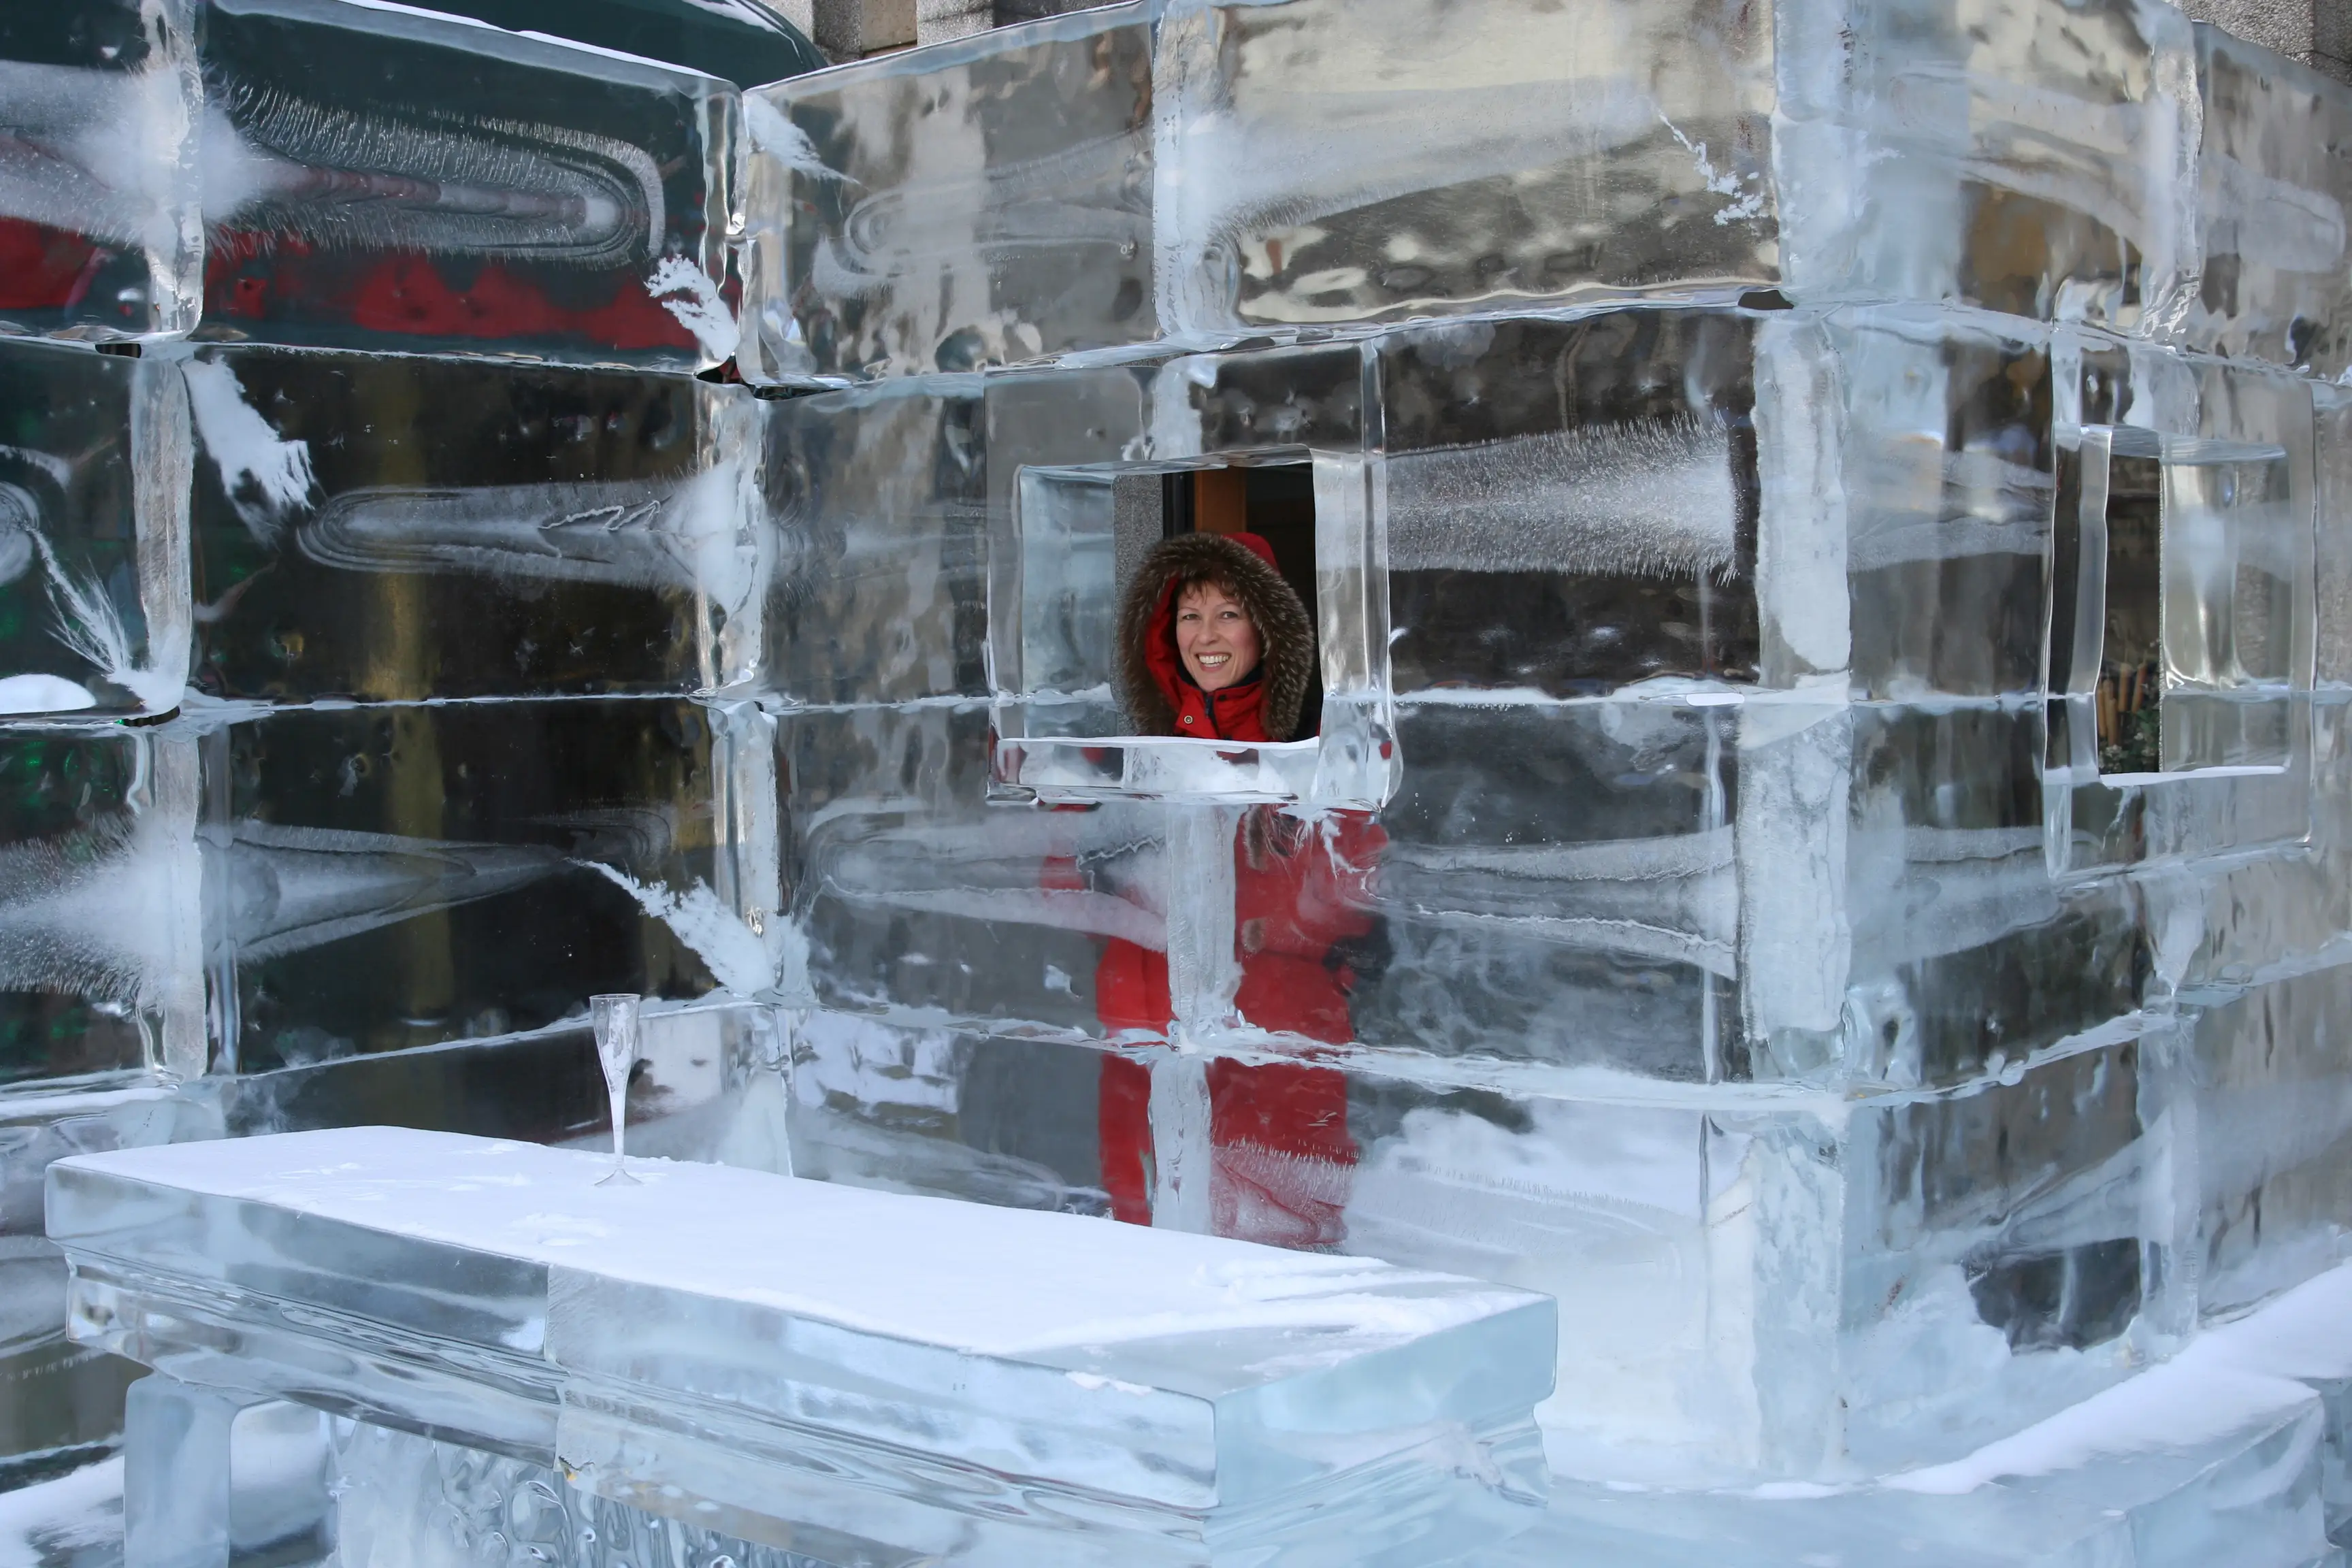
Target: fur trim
[{"x": 1286, "y": 635}]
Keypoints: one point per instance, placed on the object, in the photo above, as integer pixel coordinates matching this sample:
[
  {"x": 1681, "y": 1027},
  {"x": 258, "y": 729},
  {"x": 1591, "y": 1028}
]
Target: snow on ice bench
[{"x": 769, "y": 1358}]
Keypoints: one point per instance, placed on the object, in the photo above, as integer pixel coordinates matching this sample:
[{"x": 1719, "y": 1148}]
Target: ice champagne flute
[{"x": 616, "y": 1017}]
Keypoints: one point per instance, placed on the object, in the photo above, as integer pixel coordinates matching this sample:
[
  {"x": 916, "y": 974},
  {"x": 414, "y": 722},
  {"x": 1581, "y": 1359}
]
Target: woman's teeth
[{"x": 1211, "y": 660}]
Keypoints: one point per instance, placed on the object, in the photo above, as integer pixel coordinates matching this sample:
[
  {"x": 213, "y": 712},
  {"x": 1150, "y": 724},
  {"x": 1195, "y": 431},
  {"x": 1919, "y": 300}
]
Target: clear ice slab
[
  {"x": 381, "y": 878},
  {"x": 65, "y": 1404},
  {"x": 401, "y": 528},
  {"x": 94, "y": 616},
  {"x": 101, "y": 916},
  {"x": 101, "y": 237},
  {"x": 2274, "y": 177},
  {"x": 752, "y": 1354},
  {"x": 384, "y": 178},
  {"x": 1192, "y": 173}
]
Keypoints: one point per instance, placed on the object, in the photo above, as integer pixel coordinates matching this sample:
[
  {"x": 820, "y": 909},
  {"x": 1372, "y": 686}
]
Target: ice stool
[{"x": 882, "y": 1378}]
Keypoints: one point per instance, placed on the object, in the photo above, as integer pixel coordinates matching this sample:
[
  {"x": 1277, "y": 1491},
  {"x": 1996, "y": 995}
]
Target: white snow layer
[{"x": 1024, "y": 1281}]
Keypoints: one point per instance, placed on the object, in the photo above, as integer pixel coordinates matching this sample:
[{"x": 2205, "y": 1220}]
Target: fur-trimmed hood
[{"x": 1148, "y": 666}]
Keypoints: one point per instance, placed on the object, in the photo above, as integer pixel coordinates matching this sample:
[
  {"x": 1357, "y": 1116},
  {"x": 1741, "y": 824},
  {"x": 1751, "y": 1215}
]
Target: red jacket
[{"x": 1280, "y": 1132}]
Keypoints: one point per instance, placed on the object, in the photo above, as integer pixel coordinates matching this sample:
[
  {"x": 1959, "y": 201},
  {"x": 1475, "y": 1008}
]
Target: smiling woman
[{"x": 1214, "y": 644}]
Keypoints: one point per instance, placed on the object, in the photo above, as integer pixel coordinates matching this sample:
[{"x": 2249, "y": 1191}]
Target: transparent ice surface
[
  {"x": 2033, "y": 160},
  {"x": 1324, "y": 163},
  {"x": 65, "y": 1403},
  {"x": 477, "y": 1507},
  {"x": 2219, "y": 455},
  {"x": 94, "y": 486},
  {"x": 1010, "y": 219},
  {"x": 101, "y": 932},
  {"x": 2272, "y": 185},
  {"x": 1562, "y": 547},
  {"x": 1872, "y": 1285},
  {"x": 1310, "y": 166},
  {"x": 917, "y": 896},
  {"x": 100, "y": 227},
  {"x": 1764, "y": 571},
  {"x": 1826, "y": 853},
  {"x": 712, "y": 1331},
  {"x": 398, "y": 528},
  {"x": 1195, "y": 173},
  {"x": 906, "y": 515},
  {"x": 383, "y": 877},
  {"x": 880, "y": 503},
  {"x": 2273, "y": 1108},
  {"x": 379, "y": 177}
]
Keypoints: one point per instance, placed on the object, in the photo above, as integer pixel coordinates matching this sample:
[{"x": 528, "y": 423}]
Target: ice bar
[{"x": 680, "y": 1344}]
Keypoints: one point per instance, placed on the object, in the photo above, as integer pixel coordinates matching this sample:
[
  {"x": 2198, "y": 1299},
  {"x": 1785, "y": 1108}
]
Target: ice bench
[{"x": 774, "y": 1358}]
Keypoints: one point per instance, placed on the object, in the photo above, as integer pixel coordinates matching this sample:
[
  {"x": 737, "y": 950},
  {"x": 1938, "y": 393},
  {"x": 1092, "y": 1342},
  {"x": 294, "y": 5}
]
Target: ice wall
[
  {"x": 397, "y": 527},
  {"x": 1823, "y": 849},
  {"x": 1843, "y": 696}
]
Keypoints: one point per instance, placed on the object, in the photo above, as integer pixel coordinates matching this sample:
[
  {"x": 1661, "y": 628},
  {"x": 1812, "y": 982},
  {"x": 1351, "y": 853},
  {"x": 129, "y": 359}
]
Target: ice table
[{"x": 788, "y": 1361}]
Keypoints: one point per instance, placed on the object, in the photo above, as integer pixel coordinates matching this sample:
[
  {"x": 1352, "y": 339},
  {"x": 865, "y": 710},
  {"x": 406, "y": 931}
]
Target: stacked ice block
[
  {"x": 354, "y": 602},
  {"x": 1826, "y": 526}
]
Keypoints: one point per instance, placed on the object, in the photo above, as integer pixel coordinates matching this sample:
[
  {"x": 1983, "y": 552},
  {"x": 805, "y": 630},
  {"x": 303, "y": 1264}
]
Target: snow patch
[
  {"x": 42, "y": 694},
  {"x": 741, "y": 961},
  {"x": 773, "y": 133},
  {"x": 267, "y": 479},
  {"x": 92, "y": 629},
  {"x": 687, "y": 292},
  {"x": 57, "y": 1521}
]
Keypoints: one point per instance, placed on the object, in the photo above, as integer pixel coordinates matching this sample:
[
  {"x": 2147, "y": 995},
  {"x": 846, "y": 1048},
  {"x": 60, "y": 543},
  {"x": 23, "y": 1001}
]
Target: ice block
[
  {"x": 66, "y": 1406},
  {"x": 94, "y": 504},
  {"x": 692, "y": 1344},
  {"x": 922, "y": 896},
  {"x": 1322, "y": 163},
  {"x": 1007, "y": 218},
  {"x": 399, "y": 875},
  {"x": 2273, "y": 1110},
  {"x": 2036, "y": 161},
  {"x": 1192, "y": 173},
  {"x": 100, "y": 927},
  {"x": 101, "y": 237},
  {"x": 879, "y": 504},
  {"x": 2272, "y": 181},
  {"x": 387, "y": 178},
  {"x": 400, "y": 527},
  {"x": 1565, "y": 548}
]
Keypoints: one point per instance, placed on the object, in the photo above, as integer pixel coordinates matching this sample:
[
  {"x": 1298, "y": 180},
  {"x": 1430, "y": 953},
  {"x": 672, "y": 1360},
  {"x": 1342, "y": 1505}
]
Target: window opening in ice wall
[
  {"x": 2179, "y": 587},
  {"x": 1083, "y": 533}
]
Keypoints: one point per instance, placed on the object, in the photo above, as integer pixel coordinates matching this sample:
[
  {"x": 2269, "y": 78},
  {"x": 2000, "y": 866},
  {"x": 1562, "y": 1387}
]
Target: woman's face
[{"x": 1214, "y": 636}]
